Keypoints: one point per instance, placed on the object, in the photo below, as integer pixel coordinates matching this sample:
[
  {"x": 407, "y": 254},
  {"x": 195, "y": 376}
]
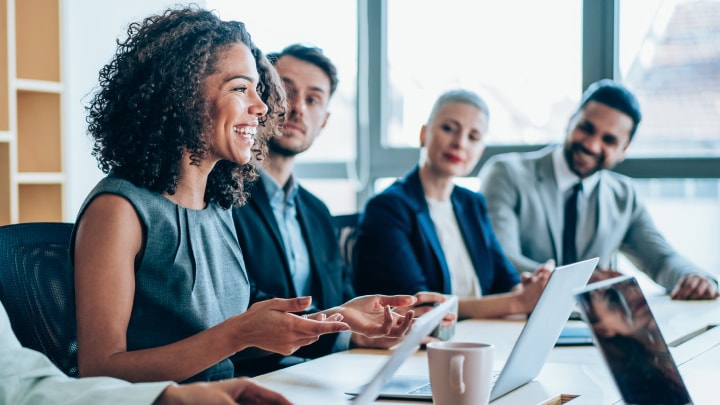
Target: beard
[
  {"x": 275, "y": 146},
  {"x": 576, "y": 148}
]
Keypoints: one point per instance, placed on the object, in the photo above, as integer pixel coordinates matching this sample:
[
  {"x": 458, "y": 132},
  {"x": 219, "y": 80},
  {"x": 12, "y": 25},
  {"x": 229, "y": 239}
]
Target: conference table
[{"x": 572, "y": 374}]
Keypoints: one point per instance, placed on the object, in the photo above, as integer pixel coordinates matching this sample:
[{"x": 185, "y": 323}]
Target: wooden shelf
[
  {"x": 37, "y": 25},
  {"x": 38, "y": 85},
  {"x": 40, "y": 202},
  {"x": 39, "y": 129},
  {"x": 4, "y": 183},
  {"x": 40, "y": 178},
  {"x": 32, "y": 173},
  {"x": 4, "y": 73}
]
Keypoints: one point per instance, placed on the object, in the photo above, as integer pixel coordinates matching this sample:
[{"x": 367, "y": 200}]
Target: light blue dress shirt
[
  {"x": 282, "y": 202},
  {"x": 28, "y": 377}
]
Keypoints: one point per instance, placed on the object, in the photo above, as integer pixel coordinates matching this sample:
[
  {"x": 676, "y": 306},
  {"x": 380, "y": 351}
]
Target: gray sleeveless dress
[{"x": 190, "y": 276}]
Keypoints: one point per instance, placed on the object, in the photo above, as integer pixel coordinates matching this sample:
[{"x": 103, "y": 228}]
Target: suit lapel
[
  {"x": 425, "y": 223},
  {"x": 606, "y": 216},
  {"x": 428, "y": 229},
  {"x": 476, "y": 242},
  {"x": 261, "y": 201},
  {"x": 311, "y": 242},
  {"x": 551, "y": 201}
]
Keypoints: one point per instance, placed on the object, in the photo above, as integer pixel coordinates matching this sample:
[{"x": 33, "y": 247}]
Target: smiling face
[
  {"x": 308, "y": 92},
  {"x": 454, "y": 139},
  {"x": 235, "y": 105},
  {"x": 598, "y": 138}
]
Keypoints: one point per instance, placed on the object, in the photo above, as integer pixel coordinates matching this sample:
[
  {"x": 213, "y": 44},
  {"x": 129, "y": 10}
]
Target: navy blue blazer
[
  {"x": 398, "y": 250},
  {"x": 264, "y": 252},
  {"x": 269, "y": 271}
]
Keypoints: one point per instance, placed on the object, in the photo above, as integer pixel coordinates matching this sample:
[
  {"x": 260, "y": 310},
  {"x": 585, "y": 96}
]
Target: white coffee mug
[{"x": 460, "y": 373}]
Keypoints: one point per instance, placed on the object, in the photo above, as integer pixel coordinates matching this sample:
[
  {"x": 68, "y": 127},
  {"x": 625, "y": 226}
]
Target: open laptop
[
  {"x": 627, "y": 333},
  {"x": 422, "y": 327},
  {"x": 528, "y": 355},
  {"x": 575, "y": 333}
]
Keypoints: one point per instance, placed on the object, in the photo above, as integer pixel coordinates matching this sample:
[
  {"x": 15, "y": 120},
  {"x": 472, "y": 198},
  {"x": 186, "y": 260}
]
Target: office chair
[
  {"x": 346, "y": 233},
  {"x": 37, "y": 289}
]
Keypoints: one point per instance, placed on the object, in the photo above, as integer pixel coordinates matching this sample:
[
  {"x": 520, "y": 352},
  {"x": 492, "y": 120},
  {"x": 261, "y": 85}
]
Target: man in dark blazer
[
  {"x": 285, "y": 232},
  {"x": 527, "y": 194}
]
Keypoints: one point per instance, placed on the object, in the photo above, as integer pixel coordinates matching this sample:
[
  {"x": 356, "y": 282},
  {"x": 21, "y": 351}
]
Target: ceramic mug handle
[{"x": 456, "y": 374}]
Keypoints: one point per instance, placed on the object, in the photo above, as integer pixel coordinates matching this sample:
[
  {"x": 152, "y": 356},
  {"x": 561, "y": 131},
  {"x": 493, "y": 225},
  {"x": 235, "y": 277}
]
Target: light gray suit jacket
[{"x": 526, "y": 211}]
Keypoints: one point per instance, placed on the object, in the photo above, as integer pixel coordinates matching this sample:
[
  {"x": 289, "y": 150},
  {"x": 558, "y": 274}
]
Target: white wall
[{"x": 90, "y": 29}]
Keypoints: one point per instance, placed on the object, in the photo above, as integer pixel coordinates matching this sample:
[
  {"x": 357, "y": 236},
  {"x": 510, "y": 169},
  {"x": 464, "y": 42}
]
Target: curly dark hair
[{"x": 150, "y": 105}]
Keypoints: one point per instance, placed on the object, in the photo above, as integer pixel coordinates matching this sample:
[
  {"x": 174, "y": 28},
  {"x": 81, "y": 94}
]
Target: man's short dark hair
[
  {"x": 615, "y": 95},
  {"x": 310, "y": 54}
]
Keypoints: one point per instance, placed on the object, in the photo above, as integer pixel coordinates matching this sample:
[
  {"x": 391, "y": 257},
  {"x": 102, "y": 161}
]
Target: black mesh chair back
[
  {"x": 37, "y": 289},
  {"x": 346, "y": 233}
]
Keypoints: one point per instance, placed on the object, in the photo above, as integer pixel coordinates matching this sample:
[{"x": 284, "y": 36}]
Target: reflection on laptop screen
[{"x": 628, "y": 336}]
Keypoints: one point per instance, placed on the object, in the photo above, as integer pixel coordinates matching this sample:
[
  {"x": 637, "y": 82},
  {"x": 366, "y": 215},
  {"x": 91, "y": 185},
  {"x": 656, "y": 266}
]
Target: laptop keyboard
[
  {"x": 427, "y": 390},
  {"x": 424, "y": 390}
]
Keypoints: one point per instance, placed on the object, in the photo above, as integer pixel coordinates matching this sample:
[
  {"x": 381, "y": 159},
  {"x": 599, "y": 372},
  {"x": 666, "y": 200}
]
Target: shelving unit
[{"x": 32, "y": 176}]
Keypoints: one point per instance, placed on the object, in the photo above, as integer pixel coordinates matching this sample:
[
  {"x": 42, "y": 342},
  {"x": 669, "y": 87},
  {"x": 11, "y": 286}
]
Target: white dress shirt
[{"x": 587, "y": 203}]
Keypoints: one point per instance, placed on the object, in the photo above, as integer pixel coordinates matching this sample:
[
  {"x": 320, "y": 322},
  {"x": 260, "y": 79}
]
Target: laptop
[
  {"x": 628, "y": 336},
  {"x": 421, "y": 328},
  {"x": 528, "y": 355},
  {"x": 575, "y": 333}
]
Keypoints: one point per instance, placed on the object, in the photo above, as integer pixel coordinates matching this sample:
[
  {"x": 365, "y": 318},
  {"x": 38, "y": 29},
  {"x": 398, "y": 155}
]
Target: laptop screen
[{"x": 626, "y": 332}]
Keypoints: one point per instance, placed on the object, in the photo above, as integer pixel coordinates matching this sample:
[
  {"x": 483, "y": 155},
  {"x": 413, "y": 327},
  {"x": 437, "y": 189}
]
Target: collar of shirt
[
  {"x": 565, "y": 178},
  {"x": 279, "y": 195}
]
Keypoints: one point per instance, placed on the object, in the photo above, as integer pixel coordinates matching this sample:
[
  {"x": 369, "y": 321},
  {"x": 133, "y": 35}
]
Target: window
[
  {"x": 528, "y": 59},
  {"x": 274, "y": 24},
  {"x": 687, "y": 213},
  {"x": 325, "y": 168},
  {"x": 668, "y": 55},
  {"x": 523, "y": 57}
]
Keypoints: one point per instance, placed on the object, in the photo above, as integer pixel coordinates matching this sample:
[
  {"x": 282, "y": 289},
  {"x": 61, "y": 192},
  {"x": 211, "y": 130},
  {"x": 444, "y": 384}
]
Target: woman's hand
[
  {"x": 533, "y": 285},
  {"x": 271, "y": 325},
  {"x": 426, "y": 301},
  {"x": 372, "y": 315}
]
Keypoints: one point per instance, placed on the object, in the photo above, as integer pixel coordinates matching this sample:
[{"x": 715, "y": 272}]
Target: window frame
[{"x": 374, "y": 161}]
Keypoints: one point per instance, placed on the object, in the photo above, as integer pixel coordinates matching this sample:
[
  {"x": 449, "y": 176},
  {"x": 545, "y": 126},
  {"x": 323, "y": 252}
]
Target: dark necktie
[{"x": 569, "y": 248}]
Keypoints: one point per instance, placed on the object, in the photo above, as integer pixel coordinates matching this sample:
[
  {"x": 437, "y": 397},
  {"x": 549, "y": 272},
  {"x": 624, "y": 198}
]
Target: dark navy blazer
[
  {"x": 268, "y": 268},
  {"x": 398, "y": 250}
]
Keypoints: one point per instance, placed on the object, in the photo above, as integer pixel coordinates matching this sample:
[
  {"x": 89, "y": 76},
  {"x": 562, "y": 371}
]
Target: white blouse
[{"x": 463, "y": 279}]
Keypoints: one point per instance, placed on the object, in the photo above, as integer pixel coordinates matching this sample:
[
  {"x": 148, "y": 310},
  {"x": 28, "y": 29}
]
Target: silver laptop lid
[
  {"x": 422, "y": 327},
  {"x": 543, "y": 326}
]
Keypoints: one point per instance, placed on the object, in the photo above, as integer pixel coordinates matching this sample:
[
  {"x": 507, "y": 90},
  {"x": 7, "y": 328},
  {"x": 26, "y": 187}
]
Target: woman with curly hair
[{"x": 161, "y": 288}]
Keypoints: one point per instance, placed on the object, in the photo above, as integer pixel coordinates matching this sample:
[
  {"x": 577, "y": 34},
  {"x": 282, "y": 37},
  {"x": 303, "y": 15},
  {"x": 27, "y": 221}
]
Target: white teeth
[{"x": 245, "y": 130}]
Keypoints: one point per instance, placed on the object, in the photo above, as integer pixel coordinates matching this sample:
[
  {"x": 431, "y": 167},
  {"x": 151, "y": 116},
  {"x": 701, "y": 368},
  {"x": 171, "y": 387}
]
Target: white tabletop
[{"x": 575, "y": 372}]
